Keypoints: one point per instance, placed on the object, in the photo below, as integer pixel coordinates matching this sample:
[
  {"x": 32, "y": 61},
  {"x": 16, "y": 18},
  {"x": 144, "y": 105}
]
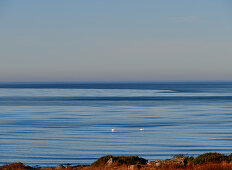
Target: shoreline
[{"x": 210, "y": 160}]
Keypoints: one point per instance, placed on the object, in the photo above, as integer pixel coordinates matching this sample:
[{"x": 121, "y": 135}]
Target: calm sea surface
[{"x": 49, "y": 124}]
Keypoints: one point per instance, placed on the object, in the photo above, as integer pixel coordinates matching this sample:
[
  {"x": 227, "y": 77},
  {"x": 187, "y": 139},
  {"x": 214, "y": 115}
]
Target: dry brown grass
[{"x": 206, "y": 166}]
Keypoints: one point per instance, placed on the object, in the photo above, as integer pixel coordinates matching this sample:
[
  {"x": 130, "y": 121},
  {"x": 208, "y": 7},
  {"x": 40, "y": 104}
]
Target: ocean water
[{"x": 66, "y": 123}]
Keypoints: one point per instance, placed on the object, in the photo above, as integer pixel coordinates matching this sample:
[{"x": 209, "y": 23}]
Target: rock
[
  {"x": 155, "y": 163},
  {"x": 177, "y": 160},
  {"x": 158, "y": 163},
  {"x": 59, "y": 167},
  {"x": 109, "y": 162}
]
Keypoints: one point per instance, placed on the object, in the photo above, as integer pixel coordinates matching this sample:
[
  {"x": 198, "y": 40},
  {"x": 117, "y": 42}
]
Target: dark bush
[
  {"x": 229, "y": 158},
  {"x": 102, "y": 160},
  {"x": 179, "y": 156},
  {"x": 188, "y": 160},
  {"x": 120, "y": 160},
  {"x": 210, "y": 157},
  {"x": 129, "y": 160}
]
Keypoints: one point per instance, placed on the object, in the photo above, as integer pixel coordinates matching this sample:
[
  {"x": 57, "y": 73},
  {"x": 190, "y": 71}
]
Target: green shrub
[
  {"x": 210, "y": 157},
  {"x": 229, "y": 158},
  {"x": 120, "y": 160},
  {"x": 188, "y": 160}
]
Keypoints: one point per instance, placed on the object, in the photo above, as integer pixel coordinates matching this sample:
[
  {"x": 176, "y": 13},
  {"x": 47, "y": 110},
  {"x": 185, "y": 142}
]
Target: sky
[{"x": 121, "y": 40}]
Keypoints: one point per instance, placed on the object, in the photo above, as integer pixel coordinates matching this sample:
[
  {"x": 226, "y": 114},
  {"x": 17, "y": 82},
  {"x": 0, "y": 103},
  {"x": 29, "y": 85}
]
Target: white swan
[
  {"x": 142, "y": 129},
  {"x": 113, "y": 130}
]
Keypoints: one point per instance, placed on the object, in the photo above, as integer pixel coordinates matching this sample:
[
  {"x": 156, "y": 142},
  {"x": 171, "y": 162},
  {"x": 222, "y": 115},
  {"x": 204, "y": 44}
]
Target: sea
[{"x": 46, "y": 124}]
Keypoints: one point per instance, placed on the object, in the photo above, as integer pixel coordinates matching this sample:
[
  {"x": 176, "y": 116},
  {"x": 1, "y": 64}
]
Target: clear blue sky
[{"x": 121, "y": 40}]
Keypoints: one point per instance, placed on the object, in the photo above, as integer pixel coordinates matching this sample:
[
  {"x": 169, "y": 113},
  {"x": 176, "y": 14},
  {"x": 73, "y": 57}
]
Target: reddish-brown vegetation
[
  {"x": 16, "y": 166},
  {"x": 207, "y": 161}
]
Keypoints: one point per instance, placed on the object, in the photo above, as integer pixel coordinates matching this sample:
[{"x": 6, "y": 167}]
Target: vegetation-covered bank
[{"x": 212, "y": 161}]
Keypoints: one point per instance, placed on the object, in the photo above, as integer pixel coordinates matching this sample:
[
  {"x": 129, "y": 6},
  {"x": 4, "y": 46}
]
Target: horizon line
[{"x": 116, "y": 82}]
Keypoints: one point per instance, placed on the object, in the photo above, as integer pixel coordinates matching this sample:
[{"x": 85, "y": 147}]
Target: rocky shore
[{"x": 207, "y": 161}]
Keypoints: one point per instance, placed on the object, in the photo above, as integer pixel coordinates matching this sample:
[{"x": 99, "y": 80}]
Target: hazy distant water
[{"x": 50, "y": 124}]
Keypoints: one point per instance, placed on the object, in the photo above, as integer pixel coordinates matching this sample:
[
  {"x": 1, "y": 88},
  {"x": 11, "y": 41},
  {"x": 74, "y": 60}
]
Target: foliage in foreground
[{"x": 206, "y": 161}]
